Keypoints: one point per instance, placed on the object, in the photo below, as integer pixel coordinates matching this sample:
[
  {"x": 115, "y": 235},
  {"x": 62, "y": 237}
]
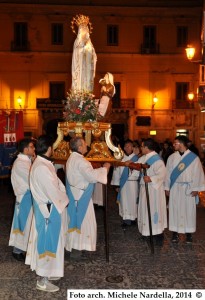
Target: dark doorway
[{"x": 118, "y": 131}]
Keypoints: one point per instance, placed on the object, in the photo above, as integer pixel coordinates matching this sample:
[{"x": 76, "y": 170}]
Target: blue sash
[
  {"x": 21, "y": 213},
  {"x": 77, "y": 209},
  {"x": 48, "y": 231},
  {"x": 182, "y": 165},
  {"x": 153, "y": 159},
  {"x": 150, "y": 162},
  {"x": 124, "y": 177}
]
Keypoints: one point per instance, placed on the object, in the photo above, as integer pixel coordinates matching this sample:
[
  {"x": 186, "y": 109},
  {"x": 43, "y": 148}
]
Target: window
[
  {"x": 182, "y": 89},
  {"x": 57, "y": 34},
  {"x": 57, "y": 91},
  {"x": 149, "y": 40},
  {"x": 182, "y": 36},
  {"x": 116, "y": 97},
  {"x": 143, "y": 121},
  {"x": 20, "y": 42},
  {"x": 112, "y": 35}
]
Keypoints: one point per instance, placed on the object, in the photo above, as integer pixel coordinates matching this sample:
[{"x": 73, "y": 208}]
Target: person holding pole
[
  {"x": 152, "y": 221},
  {"x": 80, "y": 180}
]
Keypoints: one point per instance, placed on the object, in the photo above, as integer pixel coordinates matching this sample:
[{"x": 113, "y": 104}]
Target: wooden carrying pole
[{"x": 149, "y": 213}]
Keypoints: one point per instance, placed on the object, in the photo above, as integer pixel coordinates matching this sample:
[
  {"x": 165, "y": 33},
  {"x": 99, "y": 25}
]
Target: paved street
[{"x": 131, "y": 266}]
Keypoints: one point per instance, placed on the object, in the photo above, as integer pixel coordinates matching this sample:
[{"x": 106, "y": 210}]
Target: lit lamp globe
[
  {"x": 190, "y": 52},
  {"x": 191, "y": 96},
  {"x": 19, "y": 100}
]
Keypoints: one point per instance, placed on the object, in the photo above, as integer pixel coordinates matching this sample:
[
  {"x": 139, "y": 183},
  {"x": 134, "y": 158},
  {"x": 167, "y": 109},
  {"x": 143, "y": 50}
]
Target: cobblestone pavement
[{"x": 131, "y": 265}]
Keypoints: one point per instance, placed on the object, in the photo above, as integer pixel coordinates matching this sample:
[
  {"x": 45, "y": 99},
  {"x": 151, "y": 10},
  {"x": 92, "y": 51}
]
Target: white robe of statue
[{"x": 83, "y": 61}]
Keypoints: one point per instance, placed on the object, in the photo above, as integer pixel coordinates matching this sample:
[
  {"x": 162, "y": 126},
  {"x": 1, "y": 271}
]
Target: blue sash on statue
[
  {"x": 124, "y": 177},
  {"x": 77, "y": 209},
  {"x": 182, "y": 165},
  {"x": 21, "y": 212},
  {"x": 48, "y": 231}
]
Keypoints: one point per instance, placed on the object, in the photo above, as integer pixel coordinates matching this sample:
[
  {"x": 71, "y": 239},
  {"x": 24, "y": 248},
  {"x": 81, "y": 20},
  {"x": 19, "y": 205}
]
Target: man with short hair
[
  {"x": 185, "y": 178},
  {"x": 154, "y": 179},
  {"x": 127, "y": 187},
  {"x": 23, "y": 211},
  {"x": 80, "y": 179},
  {"x": 45, "y": 253}
]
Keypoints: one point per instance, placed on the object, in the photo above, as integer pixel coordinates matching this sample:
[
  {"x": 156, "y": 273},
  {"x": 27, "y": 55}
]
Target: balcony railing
[
  {"x": 150, "y": 49},
  {"x": 20, "y": 46},
  {"x": 46, "y": 103},
  {"x": 128, "y": 103},
  {"x": 182, "y": 104}
]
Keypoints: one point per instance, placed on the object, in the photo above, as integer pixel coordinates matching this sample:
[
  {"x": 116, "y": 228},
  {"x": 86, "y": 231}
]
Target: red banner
[
  {"x": 11, "y": 126},
  {"x": 11, "y": 131}
]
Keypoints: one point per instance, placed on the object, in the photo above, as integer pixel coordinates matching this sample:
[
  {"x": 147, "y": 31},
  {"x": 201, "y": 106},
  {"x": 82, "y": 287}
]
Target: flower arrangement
[{"x": 80, "y": 106}]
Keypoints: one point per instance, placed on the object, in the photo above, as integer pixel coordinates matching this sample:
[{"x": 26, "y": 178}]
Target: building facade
[{"x": 142, "y": 43}]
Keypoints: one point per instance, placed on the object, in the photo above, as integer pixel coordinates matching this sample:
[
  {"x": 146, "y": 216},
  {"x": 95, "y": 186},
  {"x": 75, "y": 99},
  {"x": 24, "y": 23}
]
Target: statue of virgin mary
[{"x": 84, "y": 57}]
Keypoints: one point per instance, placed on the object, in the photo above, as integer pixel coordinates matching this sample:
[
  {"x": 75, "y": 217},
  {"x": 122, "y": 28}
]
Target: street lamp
[
  {"x": 190, "y": 96},
  {"x": 154, "y": 101},
  {"x": 19, "y": 100},
  {"x": 190, "y": 52}
]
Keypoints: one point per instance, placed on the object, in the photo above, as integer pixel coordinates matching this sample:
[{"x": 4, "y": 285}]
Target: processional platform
[{"x": 97, "y": 136}]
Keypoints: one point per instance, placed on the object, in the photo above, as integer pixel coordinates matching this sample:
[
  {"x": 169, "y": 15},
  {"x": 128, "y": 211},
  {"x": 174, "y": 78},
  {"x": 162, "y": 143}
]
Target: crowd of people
[{"x": 50, "y": 217}]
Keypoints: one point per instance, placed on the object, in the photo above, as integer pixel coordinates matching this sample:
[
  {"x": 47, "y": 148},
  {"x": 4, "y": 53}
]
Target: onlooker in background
[
  {"x": 193, "y": 148},
  {"x": 127, "y": 187},
  {"x": 45, "y": 252},
  {"x": 137, "y": 149},
  {"x": 185, "y": 178},
  {"x": 23, "y": 211},
  {"x": 167, "y": 150}
]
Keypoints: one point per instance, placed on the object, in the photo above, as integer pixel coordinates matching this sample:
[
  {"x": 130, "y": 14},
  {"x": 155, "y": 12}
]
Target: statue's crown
[{"x": 81, "y": 20}]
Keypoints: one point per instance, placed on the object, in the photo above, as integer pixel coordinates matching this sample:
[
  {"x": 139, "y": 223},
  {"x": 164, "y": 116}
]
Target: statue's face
[
  {"x": 84, "y": 33},
  {"x": 106, "y": 78}
]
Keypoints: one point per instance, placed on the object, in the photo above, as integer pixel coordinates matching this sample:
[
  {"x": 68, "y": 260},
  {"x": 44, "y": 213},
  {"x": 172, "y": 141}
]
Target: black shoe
[
  {"x": 133, "y": 223},
  {"x": 159, "y": 239},
  {"x": 175, "y": 238},
  {"x": 19, "y": 256},
  {"x": 124, "y": 225},
  {"x": 189, "y": 238}
]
